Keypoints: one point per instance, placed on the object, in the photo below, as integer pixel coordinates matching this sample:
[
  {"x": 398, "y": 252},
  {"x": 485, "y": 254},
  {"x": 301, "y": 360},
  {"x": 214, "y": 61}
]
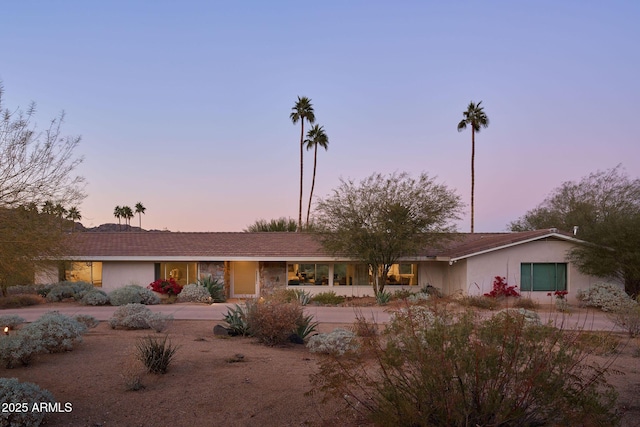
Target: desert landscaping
[{"x": 231, "y": 381}]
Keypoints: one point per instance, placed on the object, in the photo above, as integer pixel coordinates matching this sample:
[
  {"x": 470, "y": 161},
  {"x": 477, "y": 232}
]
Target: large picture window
[
  {"x": 546, "y": 276},
  {"x": 183, "y": 272}
]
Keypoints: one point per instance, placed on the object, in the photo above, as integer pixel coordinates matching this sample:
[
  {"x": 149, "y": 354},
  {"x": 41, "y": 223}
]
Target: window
[
  {"x": 90, "y": 272},
  {"x": 543, "y": 276},
  {"x": 308, "y": 274},
  {"x": 182, "y": 272}
]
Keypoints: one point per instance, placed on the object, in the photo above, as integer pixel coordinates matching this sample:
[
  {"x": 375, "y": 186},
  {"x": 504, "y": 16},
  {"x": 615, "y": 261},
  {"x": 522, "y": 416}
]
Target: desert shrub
[
  {"x": 156, "y": 354},
  {"x": 80, "y": 289},
  {"x": 159, "y": 322},
  {"x": 483, "y": 302},
  {"x": 18, "y": 349},
  {"x": 131, "y": 372},
  {"x": 95, "y": 297},
  {"x": 11, "y": 320},
  {"x": 303, "y": 297},
  {"x": 28, "y": 394},
  {"x": 600, "y": 343},
  {"x": 55, "y": 331},
  {"x": 466, "y": 372},
  {"x": 383, "y": 298},
  {"x": 87, "y": 320},
  {"x": 166, "y": 286},
  {"x": 60, "y": 292},
  {"x": 194, "y": 293},
  {"x": 338, "y": 342},
  {"x": 418, "y": 297},
  {"x": 17, "y": 301},
  {"x": 236, "y": 318},
  {"x": 327, "y": 298},
  {"x": 502, "y": 289},
  {"x": 628, "y": 319},
  {"x": 131, "y": 316},
  {"x": 273, "y": 323},
  {"x": 431, "y": 290},
  {"x": 526, "y": 303},
  {"x": 24, "y": 289},
  {"x": 402, "y": 294},
  {"x": 215, "y": 288},
  {"x": 133, "y": 294},
  {"x": 605, "y": 296}
]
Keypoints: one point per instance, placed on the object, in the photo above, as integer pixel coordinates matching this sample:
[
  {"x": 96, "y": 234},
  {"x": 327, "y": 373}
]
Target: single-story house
[{"x": 253, "y": 264}]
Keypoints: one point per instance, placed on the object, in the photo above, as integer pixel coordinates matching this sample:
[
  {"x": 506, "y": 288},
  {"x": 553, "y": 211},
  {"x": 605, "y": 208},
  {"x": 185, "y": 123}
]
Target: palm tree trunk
[
  {"x": 473, "y": 172},
  {"x": 301, "y": 171},
  {"x": 313, "y": 181}
]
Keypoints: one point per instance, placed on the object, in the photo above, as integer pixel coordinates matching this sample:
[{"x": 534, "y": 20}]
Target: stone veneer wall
[
  {"x": 217, "y": 270},
  {"x": 273, "y": 276}
]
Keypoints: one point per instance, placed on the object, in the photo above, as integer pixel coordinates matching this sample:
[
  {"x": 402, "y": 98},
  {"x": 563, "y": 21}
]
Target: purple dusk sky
[{"x": 184, "y": 106}]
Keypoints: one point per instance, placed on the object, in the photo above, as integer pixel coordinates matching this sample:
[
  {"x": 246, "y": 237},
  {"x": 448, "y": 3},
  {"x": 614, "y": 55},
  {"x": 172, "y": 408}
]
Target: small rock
[{"x": 221, "y": 331}]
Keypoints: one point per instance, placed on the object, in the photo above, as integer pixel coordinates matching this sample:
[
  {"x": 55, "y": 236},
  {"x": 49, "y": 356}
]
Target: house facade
[{"x": 254, "y": 264}]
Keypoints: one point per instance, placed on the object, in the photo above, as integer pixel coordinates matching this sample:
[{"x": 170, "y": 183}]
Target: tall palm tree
[
  {"x": 301, "y": 111},
  {"x": 140, "y": 210},
  {"x": 316, "y": 136},
  {"x": 48, "y": 207},
  {"x": 127, "y": 214},
  {"x": 117, "y": 212},
  {"x": 74, "y": 215},
  {"x": 477, "y": 119}
]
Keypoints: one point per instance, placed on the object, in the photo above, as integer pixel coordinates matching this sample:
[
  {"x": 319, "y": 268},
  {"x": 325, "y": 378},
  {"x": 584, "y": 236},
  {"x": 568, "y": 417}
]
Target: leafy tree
[
  {"x": 605, "y": 208},
  {"x": 279, "y": 224},
  {"x": 37, "y": 168},
  {"x": 303, "y": 110},
  {"x": 140, "y": 211},
  {"x": 384, "y": 218},
  {"x": 476, "y": 118},
  {"x": 316, "y": 136}
]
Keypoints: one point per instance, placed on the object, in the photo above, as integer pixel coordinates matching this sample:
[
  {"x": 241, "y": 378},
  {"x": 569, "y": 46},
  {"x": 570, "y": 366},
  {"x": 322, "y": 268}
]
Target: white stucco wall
[
  {"x": 118, "y": 274},
  {"x": 481, "y": 269}
]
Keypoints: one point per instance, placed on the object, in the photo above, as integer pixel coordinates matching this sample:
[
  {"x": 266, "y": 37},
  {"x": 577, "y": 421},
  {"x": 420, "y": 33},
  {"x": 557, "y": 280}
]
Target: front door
[{"x": 245, "y": 279}]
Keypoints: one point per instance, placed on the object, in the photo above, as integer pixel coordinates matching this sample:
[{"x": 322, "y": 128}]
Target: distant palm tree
[
  {"x": 316, "y": 136},
  {"x": 476, "y": 118},
  {"x": 60, "y": 212},
  {"x": 301, "y": 111},
  {"x": 48, "y": 207},
  {"x": 74, "y": 215},
  {"x": 117, "y": 212},
  {"x": 140, "y": 210},
  {"x": 127, "y": 214}
]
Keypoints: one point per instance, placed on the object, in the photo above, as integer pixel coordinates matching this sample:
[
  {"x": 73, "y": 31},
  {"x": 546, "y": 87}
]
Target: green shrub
[
  {"x": 215, "y": 288},
  {"x": 328, "y": 298},
  {"x": 12, "y": 321},
  {"x": 95, "y": 297},
  {"x": 236, "y": 318},
  {"x": 133, "y": 294},
  {"x": 443, "y": 370},
  {"x": 155, "y": 354},
  {"x": 628, "y": 319},
  {"x": 17, "y": 301},
  {"x": 194, "y": 293},
  {"x": 13, "y": 391},
  {"x": 401, "y": 294},
  {"x": 56, "y": 332},
  {"x": 383, "y": 298},
  {"x": 60, "y": 292},
  {"x": 138, "y": 316},
  {"x": 80, "y": 289}
]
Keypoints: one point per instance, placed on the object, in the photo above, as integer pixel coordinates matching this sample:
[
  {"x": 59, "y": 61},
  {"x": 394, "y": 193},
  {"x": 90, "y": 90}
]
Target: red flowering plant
[
  {"x": 502, "y": 289},
  {"x": 559, "y": 294},
  {"x": 166, "y": 286}
]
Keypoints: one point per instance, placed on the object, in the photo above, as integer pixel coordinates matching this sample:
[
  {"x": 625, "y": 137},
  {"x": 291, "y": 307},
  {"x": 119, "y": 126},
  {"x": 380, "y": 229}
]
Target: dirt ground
[{"x": 207, "y": 385}]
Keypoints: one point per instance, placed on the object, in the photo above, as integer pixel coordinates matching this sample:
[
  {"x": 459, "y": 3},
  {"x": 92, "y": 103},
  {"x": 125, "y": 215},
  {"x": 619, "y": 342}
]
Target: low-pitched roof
[{"x": 237, "y": 246}]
